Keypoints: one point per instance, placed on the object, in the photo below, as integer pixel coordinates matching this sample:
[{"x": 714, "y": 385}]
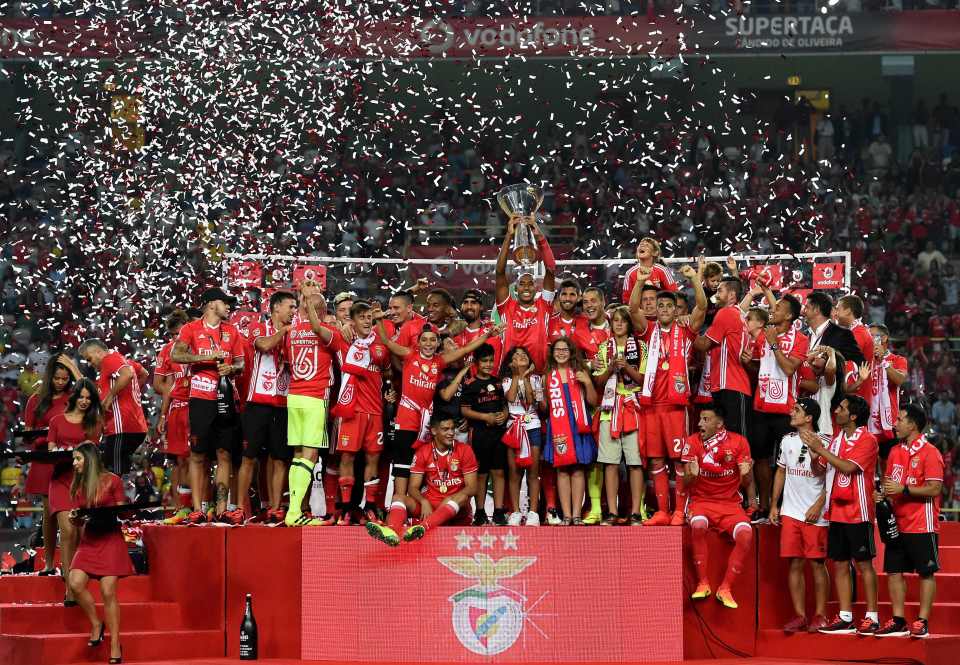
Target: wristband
[{"x": 774, "y": 347}]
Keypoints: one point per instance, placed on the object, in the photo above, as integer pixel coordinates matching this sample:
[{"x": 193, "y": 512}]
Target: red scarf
[
  {"x": 711, "y": 450},
  {"x": 356, "y": 361},
  {"x": 564, "y": 442},
  {"x": 678, "y": 388}
]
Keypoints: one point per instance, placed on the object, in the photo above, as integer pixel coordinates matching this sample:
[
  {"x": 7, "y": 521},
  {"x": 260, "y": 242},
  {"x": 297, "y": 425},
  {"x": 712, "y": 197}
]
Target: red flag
[
  {"x": 248, "y": 274},
  {"x": 312, "y": 271},
  {"x": 827, "y": 275},
  {"x": 773, "y": 273}
]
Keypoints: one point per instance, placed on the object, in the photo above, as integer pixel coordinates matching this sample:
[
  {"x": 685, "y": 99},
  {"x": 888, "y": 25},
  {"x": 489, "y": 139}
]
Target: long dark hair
[
  {"x": 86, "y": 485},
  {"x": 576, "y": 358},
  {"x": 505, "y": 371},
  {"x": 93, "y": 415},
  {"x": 839, "y": 383},
  {"x": 45, "y": 394}
]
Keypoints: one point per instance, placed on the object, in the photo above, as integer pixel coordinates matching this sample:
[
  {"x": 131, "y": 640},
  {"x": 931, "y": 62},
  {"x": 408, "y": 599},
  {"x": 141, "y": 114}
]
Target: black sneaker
[
  {"x": 839, "y": 627},
  {"x": 480, "y": 519},
  {"x": 868, "y": 627},
  {"x": 895, "y": 627},
  {"x": 499, "y": 518},
  {"x": 920, "y": 629}
]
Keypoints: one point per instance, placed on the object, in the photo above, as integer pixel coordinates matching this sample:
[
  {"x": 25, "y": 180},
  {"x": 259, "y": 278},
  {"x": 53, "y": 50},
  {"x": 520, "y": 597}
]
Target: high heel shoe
[
  {"x": 69, "y": 602},
  {"x": 96, "y": 642},
  {"x": 118, "y": 660},
  {"x": 47, "y": 573}
]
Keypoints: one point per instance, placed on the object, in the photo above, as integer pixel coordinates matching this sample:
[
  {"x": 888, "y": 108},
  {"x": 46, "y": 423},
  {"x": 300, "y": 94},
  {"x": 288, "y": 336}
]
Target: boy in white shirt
[{"x": 803, "y": 534}]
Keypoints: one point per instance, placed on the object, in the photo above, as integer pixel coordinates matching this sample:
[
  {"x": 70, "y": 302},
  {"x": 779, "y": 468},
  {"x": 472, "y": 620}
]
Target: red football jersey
[
  {"x": 730, "y": 337},
  {"x": 718, "y": 458},
  {"x": 850, "y": 496},
  {"x": 877, "y": 379},
  {"x": 577, "y": 329},
  {"x": 913, "y": 465},
  {"x": 420, "y": 378},
  {"x": 865, "y": 341},
  {"x": 368, "y": 395},
  {"x": 468, "y": 335},
  {"x": 125, "y": 415},
  {"x": 180, "y": 373},
  {"x": 204, "y": 340},
  {"x": 408, "y": 332},
  {"x": 527, "y": 326},
  {"x": 269, "y": 372},
  {"x": 772, "y": 395},
  {"x": 443, "y": 472},
  {"x": 311, "y": 360},
  {"x": 661, "y": 382},
  {"x": 660, "y": 276}
]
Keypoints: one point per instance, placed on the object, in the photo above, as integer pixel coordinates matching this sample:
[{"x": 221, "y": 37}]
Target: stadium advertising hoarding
[{"x": 586, "y": 36}]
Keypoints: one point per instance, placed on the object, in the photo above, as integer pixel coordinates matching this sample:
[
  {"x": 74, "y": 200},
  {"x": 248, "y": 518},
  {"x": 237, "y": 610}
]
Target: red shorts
[
  {"x": 463, "y": 518},
  {"x": 799, "y": 540},
  {"x": 665, "y": 429},
  {"x": 178, "y": 430},
  {"x": 363, "y": 431},
  {"x": 723, "y": 516}
]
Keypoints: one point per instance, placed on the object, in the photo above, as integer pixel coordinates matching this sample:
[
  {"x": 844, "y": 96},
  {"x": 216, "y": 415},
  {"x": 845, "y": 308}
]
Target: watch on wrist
[
  {"x": 775, "y": 347},
  {"x": 906, "y": 490}
]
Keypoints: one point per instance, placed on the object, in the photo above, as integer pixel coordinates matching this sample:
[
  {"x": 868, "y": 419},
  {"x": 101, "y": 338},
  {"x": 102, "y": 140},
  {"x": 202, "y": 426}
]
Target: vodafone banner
[
  {"x": 537, "y": 37},
  {"x": 494, "y": 595}
]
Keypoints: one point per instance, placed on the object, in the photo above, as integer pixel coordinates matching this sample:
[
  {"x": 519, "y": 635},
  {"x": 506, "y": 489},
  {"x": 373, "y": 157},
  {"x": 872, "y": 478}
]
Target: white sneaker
[
  {"x": 515, "y": 519},
  {"x": 533, "y": 519},
  {"x": 553, "y": 518}
]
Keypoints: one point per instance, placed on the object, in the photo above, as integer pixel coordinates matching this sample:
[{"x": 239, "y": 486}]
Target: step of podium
[
  {"x": 934, "y": 649},
  {"x": 63, "y": 648},
  {"x": 948, "y": 586},
  {"x": 41, "y": 619},
  {"x": 35, "y": 589}
]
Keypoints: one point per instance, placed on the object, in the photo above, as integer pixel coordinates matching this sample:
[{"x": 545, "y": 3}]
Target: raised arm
[
  {"x": 502, "y": 287},
  {"x": 396, "y": 349},
  {"x": 695, "y": 277},
  {"x": 546, "y": 255},
  {"x": 316, "y": 324},
  {"x": 636, "y": 309},
  {"x": 456, "y": 354}
]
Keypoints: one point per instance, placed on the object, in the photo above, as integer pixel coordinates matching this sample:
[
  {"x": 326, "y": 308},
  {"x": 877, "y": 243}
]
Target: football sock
[
  {"x": 548, "y": 481},
  {"x": 371, "y": 489},
  {"x": 330, "y": 487},
  {"x": 742, "y": 539},
  {"x": 661, "y": 485},
  {"x": 346, "y": 489},
  {"x": 594, "y": 487},
  {"x": 846, "y": 616},
  {"x": 299, "y": 478},
  {"x": 397, "y": 515},
  {"x": 679, "y": 491},
  {"x": 445, "y": 512},
  {"x": 698, "y": 534},
  {"x": 873, "y": 616},
  {"x": 184, "y": 497}
]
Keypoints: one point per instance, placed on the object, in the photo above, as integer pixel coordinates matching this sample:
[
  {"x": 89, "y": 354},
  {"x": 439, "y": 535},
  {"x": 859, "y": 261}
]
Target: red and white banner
[
  {"x": 773, "y": 274},
  {"x": 305, "y": 271},
  {"x": 245, "y": 274},
  {"x": 828, "y": 275},
  {"x": 503, "y": 595}
]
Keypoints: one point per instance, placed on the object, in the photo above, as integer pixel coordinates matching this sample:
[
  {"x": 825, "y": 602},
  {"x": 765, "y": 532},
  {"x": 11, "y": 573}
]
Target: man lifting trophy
[{"x": 522, "y": 201}]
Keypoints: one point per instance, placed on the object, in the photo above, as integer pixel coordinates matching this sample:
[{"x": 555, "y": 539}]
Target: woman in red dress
[
  {"x": 48, "y": 402},
  {"x": 81, "y": 421},
  {"x": 102, "y": 553}
]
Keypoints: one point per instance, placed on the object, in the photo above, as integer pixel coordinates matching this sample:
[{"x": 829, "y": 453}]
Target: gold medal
[
  {"x": 665, "y": 365},
  {"x": 442, "y": 489}
]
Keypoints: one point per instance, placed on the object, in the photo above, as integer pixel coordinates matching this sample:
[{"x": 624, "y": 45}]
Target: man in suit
[{"x": 825, "y": 332}]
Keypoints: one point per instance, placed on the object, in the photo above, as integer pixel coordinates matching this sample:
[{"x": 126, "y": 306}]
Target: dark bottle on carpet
[{"x": 248, "y": 633}]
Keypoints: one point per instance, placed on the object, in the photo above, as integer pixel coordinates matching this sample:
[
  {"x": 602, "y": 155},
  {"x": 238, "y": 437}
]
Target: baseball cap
[
  {"x": 472, "y": 294},
  {"x": 343, "y": 295},
  {"x": 811, "y": 408},
  {"x": 216, "y": 293}
]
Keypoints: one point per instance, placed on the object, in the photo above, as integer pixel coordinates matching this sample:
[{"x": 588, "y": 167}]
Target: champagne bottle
[
  {"x": 886, "y": 520},
  {"x": 248, "y": 632}
]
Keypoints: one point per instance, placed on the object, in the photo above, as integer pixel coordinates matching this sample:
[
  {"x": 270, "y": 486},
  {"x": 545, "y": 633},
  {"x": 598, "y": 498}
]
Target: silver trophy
[{"x": 522, "y": 200}]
